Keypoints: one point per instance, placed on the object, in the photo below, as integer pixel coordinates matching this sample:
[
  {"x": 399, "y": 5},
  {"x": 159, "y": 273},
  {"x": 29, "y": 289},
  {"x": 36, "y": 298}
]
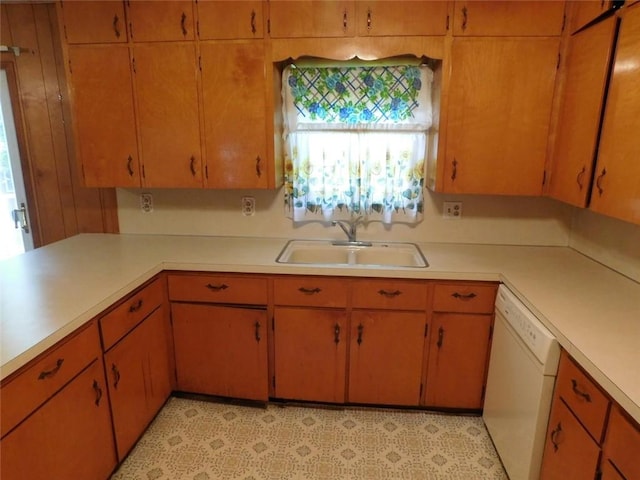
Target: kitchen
[{"x": 486, "y": 220}]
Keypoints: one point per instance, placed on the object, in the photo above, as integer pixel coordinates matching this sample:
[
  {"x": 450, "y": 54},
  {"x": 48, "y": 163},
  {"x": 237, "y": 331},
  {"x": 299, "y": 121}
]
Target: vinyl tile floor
[{"x": 201, "y": 440}]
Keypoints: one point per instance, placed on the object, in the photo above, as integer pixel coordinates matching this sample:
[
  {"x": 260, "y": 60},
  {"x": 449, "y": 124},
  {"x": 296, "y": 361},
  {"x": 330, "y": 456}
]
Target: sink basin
[{"x": 326, "y": 252}]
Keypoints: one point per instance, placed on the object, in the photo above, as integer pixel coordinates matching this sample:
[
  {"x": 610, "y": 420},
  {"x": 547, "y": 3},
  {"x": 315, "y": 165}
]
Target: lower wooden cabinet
[
  {"x": 386, "y": 357},
  {"x": 139, "y": 379},
  {"x": 69, "y": 437},
  {"x": 458, "y": 356},
  {"x": 221, "y": 350}
]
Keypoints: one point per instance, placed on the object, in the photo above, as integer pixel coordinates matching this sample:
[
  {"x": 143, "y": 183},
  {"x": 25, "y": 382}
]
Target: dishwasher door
[{"x": 517, "y": 402}]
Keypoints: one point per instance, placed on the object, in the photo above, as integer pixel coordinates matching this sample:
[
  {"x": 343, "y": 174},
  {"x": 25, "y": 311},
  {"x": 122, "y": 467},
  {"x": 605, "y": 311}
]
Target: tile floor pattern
[{"x": 198, "y": 440}]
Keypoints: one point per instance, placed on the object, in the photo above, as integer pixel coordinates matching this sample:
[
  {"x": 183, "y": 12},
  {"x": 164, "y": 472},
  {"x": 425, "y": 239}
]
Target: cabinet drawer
[
  {"x": 623, "y": 444},
  {"x": 244, "y": 290},
  {"x": 33, "y": 386},
  {"x": 464, "y": 297},
  {"x": 311, "y": 291},
  {"x": 390, "y": 294},
  {"x": 582, "y": 396},
  {"x": 119, "y": 321}
]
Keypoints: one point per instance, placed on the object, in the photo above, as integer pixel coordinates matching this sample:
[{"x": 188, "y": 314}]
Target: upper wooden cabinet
[
  {"x": 585, "y": 73},
  {"x": 235, "y": 115},
  {"x": 311, "y": 18},
  {"x": 500, "y": 98},
  {"x": 617, "y": 177},
  {"x": 400, "y": 18},
  {"x": 152, "y": 21},
  {"x": 168, "y": 119},
  {"x": 585, "y": 11},
  {"x": 93, "y": 22},
  {"x": 508, "y": 18},
  {"x": 103, "y": 107},
  {"x": 230, "y": 20}
]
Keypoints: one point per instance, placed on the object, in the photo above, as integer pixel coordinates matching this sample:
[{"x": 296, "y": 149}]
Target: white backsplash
[{"x": 485, "y": 219}]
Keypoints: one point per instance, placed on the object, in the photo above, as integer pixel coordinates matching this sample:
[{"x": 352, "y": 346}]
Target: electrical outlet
[
  {"x": 146, "y": 202},
  {"x": 452, "y": 210},
  {"x": 248, "y": 206}
]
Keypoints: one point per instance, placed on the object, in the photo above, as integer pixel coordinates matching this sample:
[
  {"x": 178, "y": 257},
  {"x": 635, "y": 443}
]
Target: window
[{"x": 355, "y": 140}]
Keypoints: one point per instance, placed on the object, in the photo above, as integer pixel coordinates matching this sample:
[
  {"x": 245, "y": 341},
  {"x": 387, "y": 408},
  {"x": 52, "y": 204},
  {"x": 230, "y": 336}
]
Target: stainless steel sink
[{"x": 326, "y": 252}]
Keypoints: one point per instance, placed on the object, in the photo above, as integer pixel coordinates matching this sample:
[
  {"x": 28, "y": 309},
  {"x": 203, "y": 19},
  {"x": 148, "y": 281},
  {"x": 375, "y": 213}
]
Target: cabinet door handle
[
  {"x": 258, "y": 166},
  {"x": 116, "y": 27},
  {"x": 454, "y": 171},
  {"x": 580, "y": 393},
  {"x": 580, "y": 177},
  {"x": 116, "y": 375},
  {"x": 336, "y": 333},
  {"x": 257, "y": 326},
  {"x": 388, "y": 294},
  {"x": 465, "y": 17},
  {"x": 217, "y": 288},
  {"x": 554, "y": 434},
  {"x": 599, "y": 181},
  {"x": 183, "y": 26},
  {"x": 130, "y": 165},
  {"x": 50, "y": 373},
  {"x": 464, "y": 296},
  {"x": 192, "y": 166},
  {"x": 253, "y": 22},
  {"x": 344, "y": 20},
  {"x": 440, "y": 337},
  {"x": 369, "y": 20},
  {"x": 136, "y": 306},
  {"x": 360, "y": 332},
  {"x": 309, "y": 291},
  {"x": 98, "y": 390}
]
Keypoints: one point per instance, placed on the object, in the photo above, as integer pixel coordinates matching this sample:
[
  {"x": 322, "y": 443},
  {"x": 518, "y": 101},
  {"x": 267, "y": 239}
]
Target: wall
[{"x": 486, "y": 219}]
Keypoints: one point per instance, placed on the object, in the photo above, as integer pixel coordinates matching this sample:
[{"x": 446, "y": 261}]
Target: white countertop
[{"x": 593, "y": 311}]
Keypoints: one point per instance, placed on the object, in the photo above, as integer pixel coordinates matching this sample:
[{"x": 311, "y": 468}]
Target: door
[{"x": 15, "y": 232}]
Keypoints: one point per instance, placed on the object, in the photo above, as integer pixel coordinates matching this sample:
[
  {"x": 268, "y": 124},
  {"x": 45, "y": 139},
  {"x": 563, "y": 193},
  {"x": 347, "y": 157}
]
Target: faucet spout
[{"x": 349, "y": 228}]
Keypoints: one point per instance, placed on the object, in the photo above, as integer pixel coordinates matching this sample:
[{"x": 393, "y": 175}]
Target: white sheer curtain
[{"x": 355, "y": 141}]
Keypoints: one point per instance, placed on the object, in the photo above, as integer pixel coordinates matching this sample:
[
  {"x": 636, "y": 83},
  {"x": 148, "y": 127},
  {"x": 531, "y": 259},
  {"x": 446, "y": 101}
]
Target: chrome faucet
[{"x": 350, "y": 229}]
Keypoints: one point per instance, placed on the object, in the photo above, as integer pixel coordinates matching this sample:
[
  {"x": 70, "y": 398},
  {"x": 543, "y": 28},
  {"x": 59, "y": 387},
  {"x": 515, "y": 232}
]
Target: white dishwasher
[{"x": 522, "y": 372}]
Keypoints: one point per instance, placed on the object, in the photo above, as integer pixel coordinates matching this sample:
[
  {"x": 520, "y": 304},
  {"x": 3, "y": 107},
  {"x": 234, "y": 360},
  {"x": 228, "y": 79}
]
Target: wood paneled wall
[{"x": 59, "y": 205}]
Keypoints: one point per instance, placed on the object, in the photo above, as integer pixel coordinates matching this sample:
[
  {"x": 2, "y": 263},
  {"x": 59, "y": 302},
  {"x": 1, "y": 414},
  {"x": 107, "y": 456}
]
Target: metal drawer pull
[
  {"x": 136, "y": 306},
  {"x": 257, "y": 325},
  {"x": 454, "y": 171},
  {"x": 369, "y": 20},
  {"x": 116, "y": 28},
  {"x": 253, "y": 22},
  {"x": 360, "y": 331},
  {"x": 577, "y": 391},
  {"x": 388, "y": 294},
  {"x": 599, "y": 181},
  {"x": 336, "y": 332},
  {"x": 129, "y": 167},
  {"x": 580, "y": 177},
  {"x": 217, "y": 288},
  {"x": 465, "y": 18},
  {"x": 50, "y": 373},
  {"x": 98, "y": 390},
  {"x": 183, "y": 21},
  {"x": 554, "y": 433},
  {"x": 116, "y": 375},
  {"x": 258, "y": 168},
  {"x": 309, "y": 291},
  {"x": 344, "y": 20},
  {"x": 440, "y": 337},
  {"x": 464, "y": 296}
]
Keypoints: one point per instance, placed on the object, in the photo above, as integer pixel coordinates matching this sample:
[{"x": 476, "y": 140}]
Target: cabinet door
[
  {"x": 221, "y": 350},
  {"x": 617, "y": 183},
  {"x": 151, "y": 21},
  {"x": 385, "y": 357},
  {"x": 312, "y": 18},
  {"x": 103, "y": 108},
  {"x": 499, "y": 110},
  {"x": 235, "y": 115},
  {"x": 458, "y": 356},
  {"x": 569, "y": 451},
  {"x": 586, "y": 72},
  {"x": 139, "y": 379},
  {"x": 398, "y": 18},
  {"x": 94, "y": 22},
  {"x": 68, "y": 437},
  {"x": 310, "y": 354},
  {"x": 623, "y": 444},
  {"x": 508, "y": 18},
  {"x": 167, "y": 97},
  {"x": 230, "y": 20}
]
